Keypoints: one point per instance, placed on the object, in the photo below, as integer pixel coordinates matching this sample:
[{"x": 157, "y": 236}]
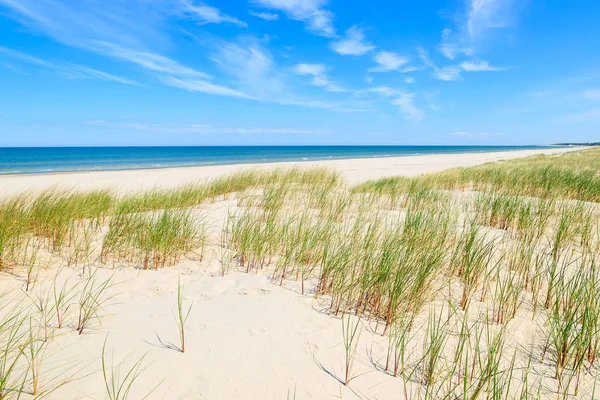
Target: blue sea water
[{"x": 38, "y": 160}]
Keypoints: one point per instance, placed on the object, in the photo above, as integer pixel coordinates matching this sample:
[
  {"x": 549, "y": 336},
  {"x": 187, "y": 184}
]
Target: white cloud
[
  {"x": 409, "y": 79},
  {"x": 319, "y": 76},
  {"x": 208, "y": 14},
  {"x": 484, "y": 15},
  {"x": 449, "y": 46},
  {"x": 353, "y": 44},
  {"x": 404, "y": 101},
  {"x": 264, "y": 15},
  {"x": 476, "y": 66},
  {"x": 254, "y": 72},
  {"x": 12, "y": 68},
  {"x": 25, "y": 57},
  {"x": 94, "y": 73},
  {"x": 310, "y": 69},
  {"x": 388, "y": 61},
  {"x": 449, "y": 73},
  {"x": 67, "y": 69},
  {"x": 407, "y": 107},
  {"x": 249, "y": 64},
  {"x": 204, "y": 87},
  {"x": 385, "y": 91},
  {"x": 110, "y": 28},
  {"x": 131, "y": 31},
  {"x": 479, "y": 20},
  {"x": 150, "y": 61},
  {"x": 318, "y": 20}
]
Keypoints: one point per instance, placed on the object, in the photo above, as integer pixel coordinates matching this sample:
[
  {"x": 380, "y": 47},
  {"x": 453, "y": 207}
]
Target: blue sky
[{"x": 239, "y": 72}]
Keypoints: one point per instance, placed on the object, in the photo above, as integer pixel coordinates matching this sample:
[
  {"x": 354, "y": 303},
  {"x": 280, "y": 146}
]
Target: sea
[{"x": 40, "y": 160}]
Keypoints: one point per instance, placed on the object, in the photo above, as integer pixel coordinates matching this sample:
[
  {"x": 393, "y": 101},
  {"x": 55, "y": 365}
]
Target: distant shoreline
[
  {"x": 56, "y": 160},
  {"x": 591, "y": 144},
  {"x": 353, "y": 170}
]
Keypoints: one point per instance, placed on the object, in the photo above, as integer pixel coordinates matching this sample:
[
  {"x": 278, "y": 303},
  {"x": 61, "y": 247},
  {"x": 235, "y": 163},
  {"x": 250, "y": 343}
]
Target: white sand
[
  {"x": 354, "y": 170},
  {"x": 247, "y": 338}
]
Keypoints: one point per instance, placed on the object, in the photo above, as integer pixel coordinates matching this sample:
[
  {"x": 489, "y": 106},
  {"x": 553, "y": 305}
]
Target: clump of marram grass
[
  {"x": 471, "y": 260},
  {"x": 52, "y": 213},
  {"x": 567, "y": 176},
  {"x": 153, "y": 240},
  {"x": 12, "y": 229},
  {"x": 573, "y": 319}
]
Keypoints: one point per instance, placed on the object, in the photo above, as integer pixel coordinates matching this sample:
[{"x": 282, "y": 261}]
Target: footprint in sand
[
  {"x": 199, "y": 297},
  {"x": 250, "y": 292},
  {"x": 257, "y": 331}
]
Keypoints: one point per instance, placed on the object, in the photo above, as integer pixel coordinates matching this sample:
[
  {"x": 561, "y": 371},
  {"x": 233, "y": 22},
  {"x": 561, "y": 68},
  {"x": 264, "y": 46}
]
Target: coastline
[
  {"x": 354, "y": 170},
  {"x": 244, "y": 312}
]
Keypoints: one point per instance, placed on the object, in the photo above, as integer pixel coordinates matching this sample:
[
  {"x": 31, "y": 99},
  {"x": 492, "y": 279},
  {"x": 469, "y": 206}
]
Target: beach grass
[{"x": 446, "y": 265}]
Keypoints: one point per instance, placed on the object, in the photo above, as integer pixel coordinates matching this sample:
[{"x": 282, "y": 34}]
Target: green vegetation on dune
[
  {"x": 574, "y": 175},
  {"x": 483, "y": 279}
]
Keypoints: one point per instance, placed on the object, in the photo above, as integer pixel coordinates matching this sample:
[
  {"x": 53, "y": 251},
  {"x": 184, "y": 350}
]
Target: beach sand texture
[{"x": 247, "y": 337}]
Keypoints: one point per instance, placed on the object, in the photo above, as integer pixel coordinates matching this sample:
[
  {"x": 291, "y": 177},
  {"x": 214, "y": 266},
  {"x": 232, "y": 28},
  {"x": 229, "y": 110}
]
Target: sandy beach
[
  {"x": 247, "y": 336},
  {"x": 354, "y": 171}
]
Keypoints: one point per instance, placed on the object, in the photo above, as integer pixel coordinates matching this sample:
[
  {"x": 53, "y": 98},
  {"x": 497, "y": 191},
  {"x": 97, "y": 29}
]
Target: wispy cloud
[
  {"x": 251, "y": 68},
  {"x": 384, "y": 90},
  {"x": 453, "y": 72},
  {"x": 264, "y": 15},
  {"x": 134, "y": 32},
  {"x": 449, "y": 73},
  {"x": 476, "y": 66},
  {"x": 485, "y": 15},
  {"x": 407, "y": 107},
  {"x": 404, "y": 101},
  {"x": 67, "y": 69},
  {"x": 354, "y": 44},
  {"x": 109, "y": 28},
  {"x": 11, "y": 67},
  {"x": 318, "y": 72},
  {"x": 202, "y": 128},
  {"x": 451, "y": 45},
  {"x": 478, "y": 21},
  {"x": 151, "y": 61},
  {"x": 25, "y": 57},
  {"x": 206, "y": 14},
  {"x": 204, "y": 87},
  {"x": 388, "y": 61},
  {"x": 94, "y": 73},
  {"x": 317, "y": 19},
  {"x": 78, "y": 23}
]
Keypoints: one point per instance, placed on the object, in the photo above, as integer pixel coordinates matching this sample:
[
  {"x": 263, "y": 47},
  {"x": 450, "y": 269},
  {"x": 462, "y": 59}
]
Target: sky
[{"x": 298, "y": 72}]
